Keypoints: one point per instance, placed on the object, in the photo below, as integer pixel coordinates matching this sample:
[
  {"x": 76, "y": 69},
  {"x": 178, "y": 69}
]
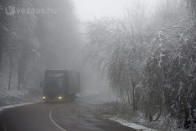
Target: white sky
[{"x": 91, "y": 9}]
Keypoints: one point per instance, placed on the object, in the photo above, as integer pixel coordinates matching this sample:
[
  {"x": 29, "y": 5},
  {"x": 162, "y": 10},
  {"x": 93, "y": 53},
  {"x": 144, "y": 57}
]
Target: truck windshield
[
  {"x": 53, "y": 87},
  {"x": 54, "y": 84}
]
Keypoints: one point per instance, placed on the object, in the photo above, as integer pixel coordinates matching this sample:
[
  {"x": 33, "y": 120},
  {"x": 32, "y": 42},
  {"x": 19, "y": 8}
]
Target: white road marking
[
  {"x": 50, "y": 115},
  {"x": 4, "y": 127}
]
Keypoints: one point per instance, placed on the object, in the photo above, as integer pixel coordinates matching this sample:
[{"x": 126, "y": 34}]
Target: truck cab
[{"x": 60, "y": 85}]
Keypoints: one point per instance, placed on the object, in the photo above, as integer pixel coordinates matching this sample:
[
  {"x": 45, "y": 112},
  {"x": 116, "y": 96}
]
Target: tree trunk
[
  {"x": 21, "y": 70},
  {"x": 133, "y": 86},
  {"x": 10, "y": 72},
  {"x": 20, "y": 75},
  {"x": 23, "y": 62},
  {"x": 1, "y": 55}
]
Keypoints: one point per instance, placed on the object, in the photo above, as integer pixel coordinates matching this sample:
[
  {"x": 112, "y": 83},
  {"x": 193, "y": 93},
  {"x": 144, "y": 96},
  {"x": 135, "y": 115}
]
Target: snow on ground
[
  {"x": 129, "y": 124},
  {"x": 16, "y": 93},
  {"x": 14, "y": 97}
]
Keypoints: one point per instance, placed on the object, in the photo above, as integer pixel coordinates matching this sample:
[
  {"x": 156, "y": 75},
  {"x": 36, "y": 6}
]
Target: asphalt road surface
[{"x": 71, "y": 116}]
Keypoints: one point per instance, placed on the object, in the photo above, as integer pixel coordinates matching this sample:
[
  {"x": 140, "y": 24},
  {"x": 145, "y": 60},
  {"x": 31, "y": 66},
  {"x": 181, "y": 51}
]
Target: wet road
[{"x": 71, "y": 116}]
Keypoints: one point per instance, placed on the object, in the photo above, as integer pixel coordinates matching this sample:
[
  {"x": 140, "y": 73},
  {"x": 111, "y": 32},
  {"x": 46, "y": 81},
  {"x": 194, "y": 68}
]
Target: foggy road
[{"x": 70, "y": 116}]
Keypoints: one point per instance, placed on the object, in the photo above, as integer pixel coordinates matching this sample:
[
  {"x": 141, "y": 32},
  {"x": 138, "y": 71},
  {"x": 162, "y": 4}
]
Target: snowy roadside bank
[
  {"x": 16, "y": 105},
  {"x": 113, "y": 111},
  {"x": 132, "y": 125},
  {"x": 14, "y": 97}
]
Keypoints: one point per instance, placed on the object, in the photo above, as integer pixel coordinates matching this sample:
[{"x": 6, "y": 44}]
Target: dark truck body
[{"x": 60, "y": 85}]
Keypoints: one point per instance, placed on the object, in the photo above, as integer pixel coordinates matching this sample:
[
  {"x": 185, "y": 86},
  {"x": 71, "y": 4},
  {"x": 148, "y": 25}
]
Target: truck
[{"x": 60, "y": 85}]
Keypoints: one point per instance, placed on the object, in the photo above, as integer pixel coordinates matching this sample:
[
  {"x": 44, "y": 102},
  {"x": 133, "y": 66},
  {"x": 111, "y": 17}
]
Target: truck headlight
[
  {"x": 43, "y": 97},
  {"x": 60, "y": 97}
]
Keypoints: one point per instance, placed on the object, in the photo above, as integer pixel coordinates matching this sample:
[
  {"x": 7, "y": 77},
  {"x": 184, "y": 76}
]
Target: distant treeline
[{"x": 34, "y": 36}]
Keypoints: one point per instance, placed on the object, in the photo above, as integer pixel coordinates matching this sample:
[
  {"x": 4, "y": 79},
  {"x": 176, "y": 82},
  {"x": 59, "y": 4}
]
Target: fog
[
  {"x": 140, "y": 51},
  {"x": 89, "y": 10},
  {"x": 39, "y": 36}
]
